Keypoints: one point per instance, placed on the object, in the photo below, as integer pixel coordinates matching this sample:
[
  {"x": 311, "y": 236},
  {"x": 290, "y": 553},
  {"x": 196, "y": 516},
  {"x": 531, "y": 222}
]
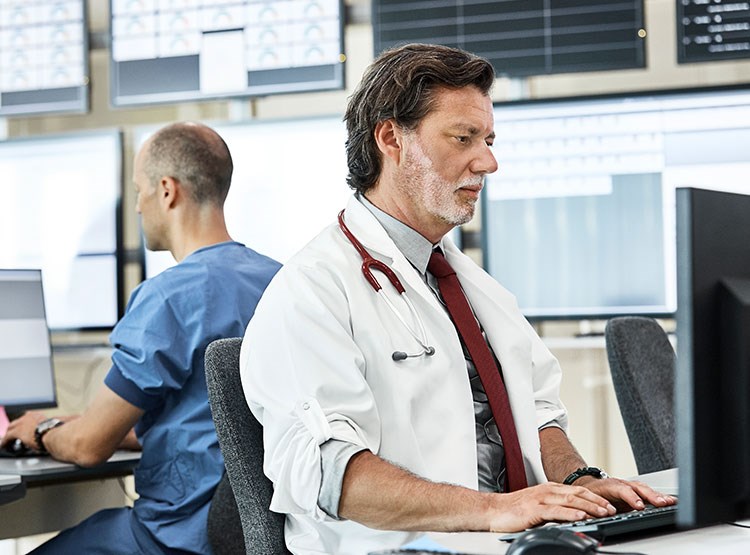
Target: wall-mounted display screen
[
  {"x": 712, "y": 31},
  {"x": 43, "y": 56},
  {"x": 289, "y": 182},
  {"x": 60, "y": 213},
  {"x": 521, "y": 37},
  {"x": 579, "y": 221},
  {"x": 165, "y": 51}
]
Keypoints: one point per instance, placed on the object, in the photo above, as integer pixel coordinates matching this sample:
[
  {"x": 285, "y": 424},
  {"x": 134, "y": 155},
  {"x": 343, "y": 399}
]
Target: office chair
[
  {"x": 241, "y": 441},
  {"x": 642, "y": 363},
  {"x": 224, "y": 525}
]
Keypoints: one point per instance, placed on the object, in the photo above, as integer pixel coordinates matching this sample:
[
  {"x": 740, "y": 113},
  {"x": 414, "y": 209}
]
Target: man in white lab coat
[{"x": 377, "y": 421}]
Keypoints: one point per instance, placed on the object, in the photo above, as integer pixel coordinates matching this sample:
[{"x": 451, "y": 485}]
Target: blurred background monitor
[
  {"x": 289, "y": 182},
  {"x": 60, "y": 213},
  {"x": 187, "y": 51},
  {"x": 27, "y": 379},
  {"x": 43, "y": 57},
  {"x": 579, "y": 220},
  {"x": 713, "y": 356}
]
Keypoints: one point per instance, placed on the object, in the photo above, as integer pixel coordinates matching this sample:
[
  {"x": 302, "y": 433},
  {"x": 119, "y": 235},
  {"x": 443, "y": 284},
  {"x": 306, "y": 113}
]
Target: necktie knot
[{"x": 438, "y": 266}]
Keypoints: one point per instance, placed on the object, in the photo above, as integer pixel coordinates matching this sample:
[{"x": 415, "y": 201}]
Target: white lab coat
[{"x": 316, "y": 364}]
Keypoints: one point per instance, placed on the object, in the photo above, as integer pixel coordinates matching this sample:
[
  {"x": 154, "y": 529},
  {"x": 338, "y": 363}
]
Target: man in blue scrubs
[{"x": 154, "y": 396}]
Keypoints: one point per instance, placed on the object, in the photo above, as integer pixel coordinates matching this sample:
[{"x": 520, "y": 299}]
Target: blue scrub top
[{"x": 158, "y": 366}]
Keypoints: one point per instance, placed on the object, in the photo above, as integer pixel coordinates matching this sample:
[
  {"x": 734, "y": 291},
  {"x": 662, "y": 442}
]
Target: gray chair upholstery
[
  {"x": 642, "y": 363},
  {"x": 224, "y": 525},
  {"x": 241, "y": 440}
]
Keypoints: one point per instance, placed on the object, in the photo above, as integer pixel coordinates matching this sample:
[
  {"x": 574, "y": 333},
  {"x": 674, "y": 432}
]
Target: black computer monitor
[
  {"x": 713, "y": 356},
  {"x": 27, "y": 378}
]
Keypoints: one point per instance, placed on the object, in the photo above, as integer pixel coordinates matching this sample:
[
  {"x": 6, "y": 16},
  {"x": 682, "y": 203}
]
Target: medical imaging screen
[
  {"x": 43, "y": 57},
  {"x": 185, "y": 51},
  {"x": 579, "y": 220}
]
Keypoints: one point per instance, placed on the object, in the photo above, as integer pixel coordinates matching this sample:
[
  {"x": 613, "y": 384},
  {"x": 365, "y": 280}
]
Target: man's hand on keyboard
[
  {"x": 23, "y": 428},
  {"x": 625, "y": 495},
  {"x": 550, "y": 502}
]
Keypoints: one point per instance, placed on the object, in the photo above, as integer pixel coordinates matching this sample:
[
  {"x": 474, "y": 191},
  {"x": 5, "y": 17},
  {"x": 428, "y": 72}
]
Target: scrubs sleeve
[
  {"x": 150, "y": 356},
  {"x": 307, "y": 390}
]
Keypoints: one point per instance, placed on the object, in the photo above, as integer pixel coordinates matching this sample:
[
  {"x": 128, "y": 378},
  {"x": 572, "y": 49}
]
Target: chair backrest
[
  {"x": 224, "y": 525},
  {"x": 642, "y": 363},
  {"x": 241, "y": 441}
]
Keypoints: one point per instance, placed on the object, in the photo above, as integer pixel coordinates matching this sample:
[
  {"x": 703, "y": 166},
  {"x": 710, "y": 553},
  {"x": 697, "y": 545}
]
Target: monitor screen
[
  {"x": 712, "y": 381},
  {"x": 43, "y": 57},
  {"x": 579, "y": 220},
  {"x": 60, "y": 212},
  {"x": 187, "y": 51},
  {"x": 289, "y": 182},
  {"x": 521, "y": 37},
  {"x": 26, "y": 375}
]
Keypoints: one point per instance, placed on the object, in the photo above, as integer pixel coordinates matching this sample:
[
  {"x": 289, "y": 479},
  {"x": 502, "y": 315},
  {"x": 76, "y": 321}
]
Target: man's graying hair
[
  {"x": 196, "y": 156},
  {"x": 400, "y": 85}
]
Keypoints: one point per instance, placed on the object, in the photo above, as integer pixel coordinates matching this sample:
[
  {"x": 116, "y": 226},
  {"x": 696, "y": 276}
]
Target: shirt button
[{"x": 305, "y": 406}]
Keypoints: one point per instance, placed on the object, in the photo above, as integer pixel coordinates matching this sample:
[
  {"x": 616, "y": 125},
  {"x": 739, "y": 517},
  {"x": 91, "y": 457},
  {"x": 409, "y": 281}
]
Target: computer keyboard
[
  {"x": 17, "y": 449},
  {"x": 624, "y": 523}
]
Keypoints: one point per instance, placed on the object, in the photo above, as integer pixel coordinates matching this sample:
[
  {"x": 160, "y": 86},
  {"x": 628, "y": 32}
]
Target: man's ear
[
  {"x": 169, "y": 191},
  {"x": 390, "y": 140}
]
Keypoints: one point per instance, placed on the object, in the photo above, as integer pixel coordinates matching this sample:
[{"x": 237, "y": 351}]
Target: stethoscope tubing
[{"x": 369, "y": 262}]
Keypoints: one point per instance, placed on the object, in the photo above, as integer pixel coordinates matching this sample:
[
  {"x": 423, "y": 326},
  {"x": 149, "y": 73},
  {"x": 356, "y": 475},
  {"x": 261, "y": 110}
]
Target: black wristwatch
[
  {"x": 42, "y": 428},
  {"x": 585, "y": 471}
]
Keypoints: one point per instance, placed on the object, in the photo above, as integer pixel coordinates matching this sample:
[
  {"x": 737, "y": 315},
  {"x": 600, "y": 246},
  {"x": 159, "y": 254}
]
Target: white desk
[
  {"x": 722, "y": 539},
  {"x": 59, "y": 495}
]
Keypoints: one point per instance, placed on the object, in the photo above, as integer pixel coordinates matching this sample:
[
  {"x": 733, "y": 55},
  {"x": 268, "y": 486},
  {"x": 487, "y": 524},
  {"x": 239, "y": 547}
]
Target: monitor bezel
[{"x": 703, "y": 381}]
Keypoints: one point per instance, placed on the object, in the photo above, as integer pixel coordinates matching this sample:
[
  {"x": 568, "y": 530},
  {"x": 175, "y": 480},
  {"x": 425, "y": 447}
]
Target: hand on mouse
[
  {"x": 548, "y": 502},
  {"x": 625, "y": 495}
]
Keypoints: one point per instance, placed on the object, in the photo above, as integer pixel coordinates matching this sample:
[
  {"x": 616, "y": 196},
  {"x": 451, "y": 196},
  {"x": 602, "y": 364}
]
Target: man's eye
[{"x": 462, "y": 139}]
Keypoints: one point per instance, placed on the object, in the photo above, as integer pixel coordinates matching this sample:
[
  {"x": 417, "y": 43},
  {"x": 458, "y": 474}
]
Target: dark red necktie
[{"x": 484, "y": 361}]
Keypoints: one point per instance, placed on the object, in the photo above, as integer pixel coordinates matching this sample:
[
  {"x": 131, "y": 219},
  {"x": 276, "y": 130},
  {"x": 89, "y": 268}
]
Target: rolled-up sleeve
[{"x": 307, "y": 391}]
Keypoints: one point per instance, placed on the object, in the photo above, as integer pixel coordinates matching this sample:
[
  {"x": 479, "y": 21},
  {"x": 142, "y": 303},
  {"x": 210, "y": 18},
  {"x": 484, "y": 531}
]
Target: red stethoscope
[{"x": 368, "y": 262}]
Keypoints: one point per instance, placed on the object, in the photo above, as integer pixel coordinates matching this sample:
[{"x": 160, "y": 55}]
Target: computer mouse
[{"x": 552, "y": 541}]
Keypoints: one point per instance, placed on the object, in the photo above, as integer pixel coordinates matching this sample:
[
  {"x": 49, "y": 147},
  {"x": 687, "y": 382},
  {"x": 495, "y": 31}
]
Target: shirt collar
[{"x": 412, "y": 244}]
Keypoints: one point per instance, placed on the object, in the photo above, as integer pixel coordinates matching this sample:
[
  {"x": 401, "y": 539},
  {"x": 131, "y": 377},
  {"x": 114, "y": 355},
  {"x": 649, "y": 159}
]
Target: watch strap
[
  {"x": 41, "y": 429},
  {"x": 585, "y": 471}
]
